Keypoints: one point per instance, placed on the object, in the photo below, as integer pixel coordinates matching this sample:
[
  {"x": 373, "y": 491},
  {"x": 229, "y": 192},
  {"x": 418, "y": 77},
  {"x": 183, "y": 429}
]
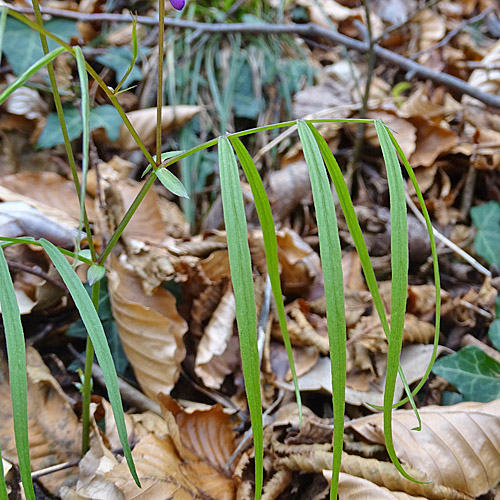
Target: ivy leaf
[
  {"x": 494, "y": 334},
  {"x": 472, "y": 372},
  {"x": 22, "y": 55},
  {"x": 105, "y": 116},
  {"x": 487, "y": 242}
]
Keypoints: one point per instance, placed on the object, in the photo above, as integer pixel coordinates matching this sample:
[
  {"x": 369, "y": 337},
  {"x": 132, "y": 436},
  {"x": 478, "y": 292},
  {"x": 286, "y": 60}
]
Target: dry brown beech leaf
[
  {"x": 215, "y": 340},
  {"x": 54, "y": 429},
  {"x": 432, "y": 141},
  {"x": 300, "y": 263},
  {"x": 144, "y": 123},
  {"x": 150, "y": 329},
  {"x": 357, "y": 488},
  {"x": 458, "y": 446},
  {"x": 48, "y": 192},
  {"x": 414, "y": 361}
]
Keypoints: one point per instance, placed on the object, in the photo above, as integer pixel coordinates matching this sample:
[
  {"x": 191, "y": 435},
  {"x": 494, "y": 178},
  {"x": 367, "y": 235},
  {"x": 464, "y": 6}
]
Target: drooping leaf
[
  {"x": 472, "y": 372},
  {"x": 77, "y": 329},
  {"x": 263, "y": 208},
  {"x": 487, "y": 220},
  {"x": 21, "y": 80},
  {"x": 241, "y": 276},
  {"x": 14, "y": 337},
  {"x": 96, "y": 332},
  {"x": 331, "y": 261}
]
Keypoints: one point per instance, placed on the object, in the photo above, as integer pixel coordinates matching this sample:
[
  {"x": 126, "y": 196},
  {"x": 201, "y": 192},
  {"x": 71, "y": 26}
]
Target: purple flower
[{"x": 178, "y": 4}]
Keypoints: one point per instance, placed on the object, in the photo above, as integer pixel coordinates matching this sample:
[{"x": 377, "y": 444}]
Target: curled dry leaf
[
  {"x": 215, "y": 341},
  {"x": 144, "y": 123},
  {"x": 150, "y": 329},
  {"x": 458, "y": 446},
  {"x": 300, "y": 263},
  {"x": 487, "y": 80},
  {"x": 207, "y": 433},
  {"x": 54, "y": 433}
]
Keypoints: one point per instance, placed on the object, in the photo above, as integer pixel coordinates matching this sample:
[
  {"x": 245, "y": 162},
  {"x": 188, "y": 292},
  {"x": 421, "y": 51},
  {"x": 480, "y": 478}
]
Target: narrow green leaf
[
  {"x": 331, "y": 261},
  {"x": 85, "y": 111},
  {"x": 359, "y": 242},
  {"x": 3, "y": 18},
  {"x": 271, "y": 249},
  {"x": 472, "y": 372},
  {"x": 399, "y": 266},
  {"x": 435, "y": 265},
  {"x": 96, "y": 332},
  {"x": 124, "y": 80},
  {"x": 171, "y": 182},
  {"x": 3, "y": 485},
  {"x": 22, "y": 79},
  {"x": 16, "y": 354},
  {"x": 241, "y": 276}
]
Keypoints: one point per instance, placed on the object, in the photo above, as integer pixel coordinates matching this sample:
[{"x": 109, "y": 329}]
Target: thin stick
[
  {"x": 468, "y": 258},
  {"x": 304, "y": 30}
]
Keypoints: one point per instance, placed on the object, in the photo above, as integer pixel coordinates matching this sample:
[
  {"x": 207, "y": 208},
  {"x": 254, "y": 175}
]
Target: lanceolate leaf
[
  {"x": 241, "y": 276},
  {"x": 331, "y": 261},
  {"x": 357, "y": 236},
  {"x": 271, "y": 248},
  {"x": 16, "y": 353},
  {"x": 170, "y": 181},
  {"x": 399, "y": 266},
  {"x": 96, "y": 332},
  {"x": 435, "y": 264}
]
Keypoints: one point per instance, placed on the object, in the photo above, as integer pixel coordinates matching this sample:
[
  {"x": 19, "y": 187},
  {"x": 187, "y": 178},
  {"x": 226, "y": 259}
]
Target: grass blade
[
  {"x": 241, "y": 276},
  {"x": 399, "y": 266},
  {"x": 271, "y": 249},
  {"x": 331, "y": 261},
  {"x": 435, "y": 263},
  {"x": 359, "y": 242},
  {"x": 85, "y": 111},
  {"x": 16, "y": 353},
  {"x": 96, "y": 332},
  {"x": 23, "y": 78},
  {"x": 3, "y": 485}
]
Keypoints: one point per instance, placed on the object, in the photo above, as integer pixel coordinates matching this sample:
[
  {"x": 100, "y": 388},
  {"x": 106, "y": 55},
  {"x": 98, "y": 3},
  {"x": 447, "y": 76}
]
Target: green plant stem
[
  {"x": 159, "y": 90},
  {"x": 87, "y": 379},
  {"x": 62, "y": 122}
]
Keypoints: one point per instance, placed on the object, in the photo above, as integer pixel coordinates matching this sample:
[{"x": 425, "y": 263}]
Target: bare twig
[
  {"x": 36, "y": 271},
  {"x": 304, "y": 30},
  {"x": 452, "y": 34},
  {"x": 353, "y": 165},
  {"x": 468, "y": 258},
  {"x": 410, "y": 18}
]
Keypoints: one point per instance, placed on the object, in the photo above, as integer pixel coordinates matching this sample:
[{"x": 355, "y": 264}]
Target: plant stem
[
  {"x": 159, "y": 90},
  {"x": 87, "y": 380},
  {"x": 62, "y": 122}
]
